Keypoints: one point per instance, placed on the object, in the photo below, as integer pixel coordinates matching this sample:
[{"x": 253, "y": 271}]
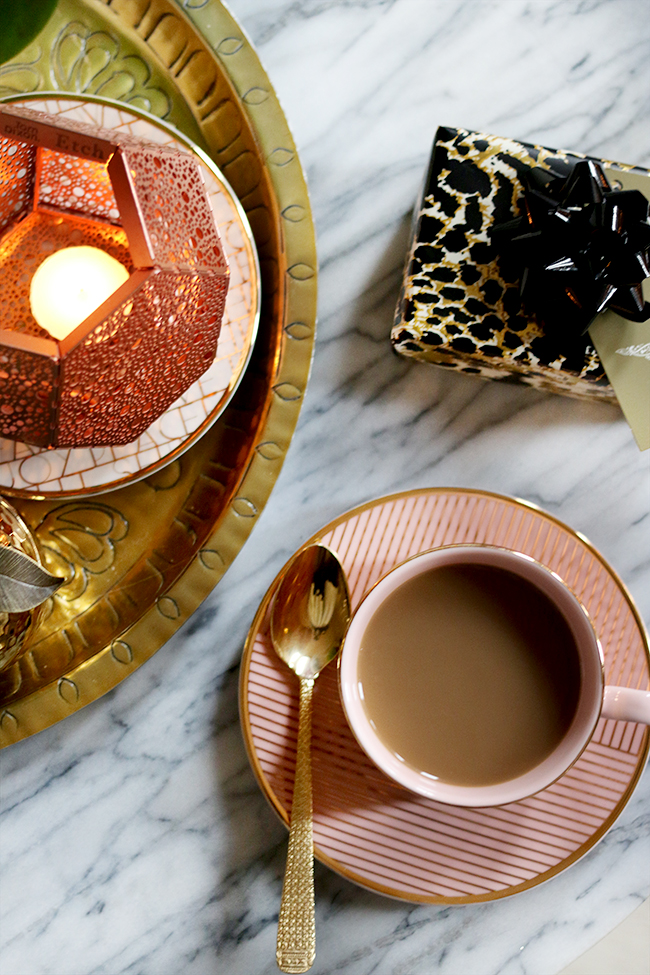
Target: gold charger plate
[{"x": 139, "y": 560}]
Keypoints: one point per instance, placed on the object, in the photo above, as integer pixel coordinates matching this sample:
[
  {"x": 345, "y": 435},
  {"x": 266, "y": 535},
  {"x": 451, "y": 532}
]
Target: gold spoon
[{"x": 309, "y": 617}]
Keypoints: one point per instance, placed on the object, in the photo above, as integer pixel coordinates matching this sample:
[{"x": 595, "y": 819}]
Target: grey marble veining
[{"x": 133, "y": 836}]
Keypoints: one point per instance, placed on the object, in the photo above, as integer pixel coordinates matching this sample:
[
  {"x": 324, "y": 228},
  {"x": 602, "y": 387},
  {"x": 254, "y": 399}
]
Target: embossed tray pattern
[{"x": 139, "y": 560}]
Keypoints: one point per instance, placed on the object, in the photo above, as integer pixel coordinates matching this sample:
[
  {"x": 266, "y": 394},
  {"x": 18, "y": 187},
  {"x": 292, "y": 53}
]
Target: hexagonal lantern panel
[{"x": 65, "y": 184}]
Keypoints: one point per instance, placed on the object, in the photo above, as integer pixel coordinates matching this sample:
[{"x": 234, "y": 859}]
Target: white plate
[{"x": 37, "y": 472}]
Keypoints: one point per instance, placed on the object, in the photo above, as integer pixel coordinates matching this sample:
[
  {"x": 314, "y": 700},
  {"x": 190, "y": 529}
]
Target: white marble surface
[{"x": 133, "y": 835}]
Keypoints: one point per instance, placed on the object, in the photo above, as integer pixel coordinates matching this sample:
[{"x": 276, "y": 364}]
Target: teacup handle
[{"x": 626, "y": 704}]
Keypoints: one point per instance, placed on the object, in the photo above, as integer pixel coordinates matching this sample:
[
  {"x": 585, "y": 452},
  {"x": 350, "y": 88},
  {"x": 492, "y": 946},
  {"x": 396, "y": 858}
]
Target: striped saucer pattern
[{"x": 386, "y": 838}]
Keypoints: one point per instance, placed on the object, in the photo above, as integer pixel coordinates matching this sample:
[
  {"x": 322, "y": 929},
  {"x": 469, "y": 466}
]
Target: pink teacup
[{"x": 590, "y": 701}]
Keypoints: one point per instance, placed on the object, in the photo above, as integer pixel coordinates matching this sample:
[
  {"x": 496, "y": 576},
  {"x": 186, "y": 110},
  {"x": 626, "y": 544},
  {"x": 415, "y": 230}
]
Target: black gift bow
[{"x": 579, "y": 247}]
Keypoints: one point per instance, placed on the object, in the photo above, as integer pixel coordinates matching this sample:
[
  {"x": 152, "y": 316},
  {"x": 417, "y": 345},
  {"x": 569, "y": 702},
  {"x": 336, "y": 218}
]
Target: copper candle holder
[{"x": 66, "y": 184}]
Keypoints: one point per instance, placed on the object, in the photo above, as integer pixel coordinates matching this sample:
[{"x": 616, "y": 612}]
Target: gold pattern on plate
[
  {"x": 139, "y": 560},
  {"x": 29, "y": 471}
]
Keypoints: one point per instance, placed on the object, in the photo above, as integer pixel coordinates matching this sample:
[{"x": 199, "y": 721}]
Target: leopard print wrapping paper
[{"x": 457, "y": 307}]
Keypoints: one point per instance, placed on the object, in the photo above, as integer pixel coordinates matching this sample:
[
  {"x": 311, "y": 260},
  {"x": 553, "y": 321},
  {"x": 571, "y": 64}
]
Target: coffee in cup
[{"x": 472, "y": 674}]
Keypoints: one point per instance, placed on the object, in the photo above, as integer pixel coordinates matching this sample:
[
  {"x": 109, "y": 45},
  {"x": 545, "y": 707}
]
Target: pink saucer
[{"x": 386, "y": 838}]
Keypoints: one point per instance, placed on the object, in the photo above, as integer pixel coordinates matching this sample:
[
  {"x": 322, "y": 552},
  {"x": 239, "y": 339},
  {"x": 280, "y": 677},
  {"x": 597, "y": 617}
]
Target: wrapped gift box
[{"x": 458, "y": 308}]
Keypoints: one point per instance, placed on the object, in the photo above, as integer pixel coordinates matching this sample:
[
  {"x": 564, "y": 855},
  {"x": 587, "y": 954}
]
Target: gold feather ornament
[{"x": 24, "y": 585}]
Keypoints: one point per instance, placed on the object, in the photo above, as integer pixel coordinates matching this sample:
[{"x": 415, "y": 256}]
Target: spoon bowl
[{"x": 311, "y": 611}]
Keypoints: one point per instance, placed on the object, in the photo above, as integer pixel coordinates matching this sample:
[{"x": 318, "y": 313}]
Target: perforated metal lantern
[{"x": 65, "y": 184}]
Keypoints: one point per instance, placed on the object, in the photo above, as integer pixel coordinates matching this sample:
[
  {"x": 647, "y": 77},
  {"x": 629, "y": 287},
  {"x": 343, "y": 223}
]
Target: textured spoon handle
[{"x": 296, "y": 946}]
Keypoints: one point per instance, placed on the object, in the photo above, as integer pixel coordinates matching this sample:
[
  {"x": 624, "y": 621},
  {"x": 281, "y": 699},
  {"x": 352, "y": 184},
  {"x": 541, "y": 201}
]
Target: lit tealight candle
[{"x": 70, "y": 284}]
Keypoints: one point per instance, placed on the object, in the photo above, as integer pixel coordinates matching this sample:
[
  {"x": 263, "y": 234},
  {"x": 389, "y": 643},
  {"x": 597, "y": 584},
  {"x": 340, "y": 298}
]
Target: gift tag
[{"x": 624, "y": 346}]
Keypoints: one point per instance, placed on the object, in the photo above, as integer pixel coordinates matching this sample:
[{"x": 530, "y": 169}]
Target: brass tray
[{"x": 139, "y": 560}]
